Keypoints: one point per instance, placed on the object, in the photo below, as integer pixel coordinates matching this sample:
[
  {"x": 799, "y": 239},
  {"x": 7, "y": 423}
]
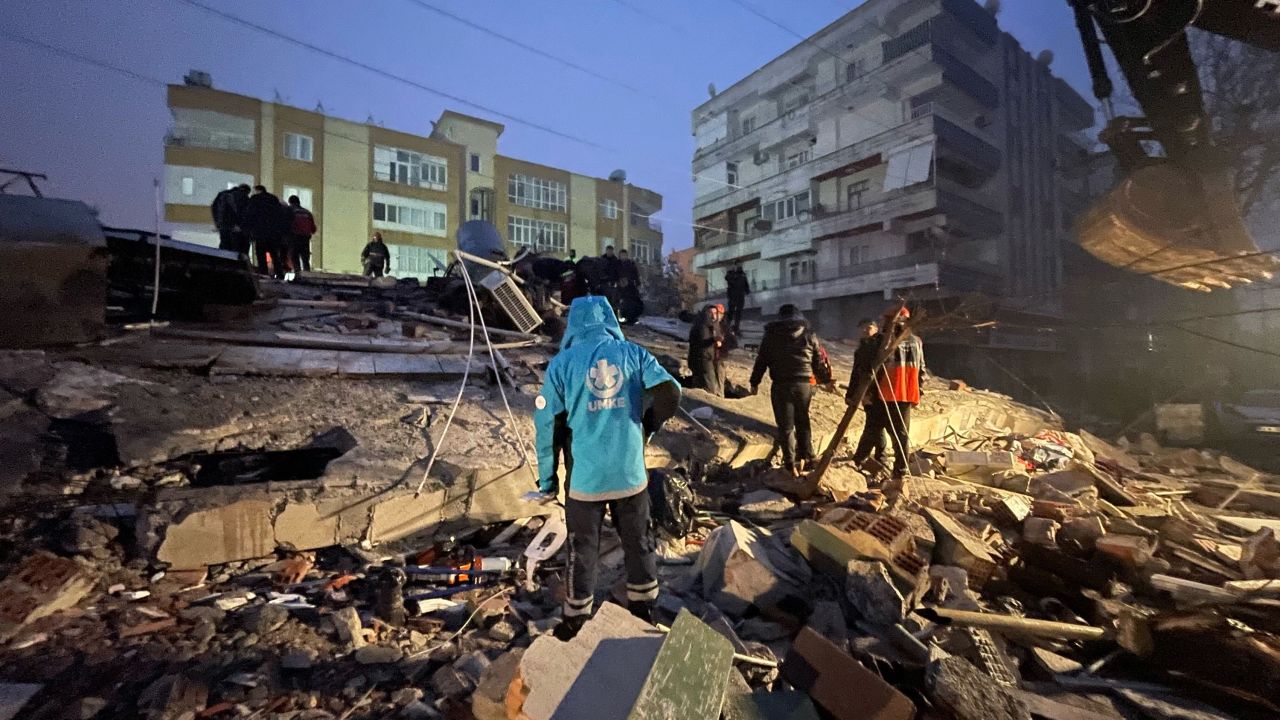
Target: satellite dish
[
  {"x": 1045, "y": 57},
  {"x": 480, "y": 238},
  {"x": 711, "y": 89},
  {"x": 618, "y": 175},
  {"x": 993, "y": 7}
]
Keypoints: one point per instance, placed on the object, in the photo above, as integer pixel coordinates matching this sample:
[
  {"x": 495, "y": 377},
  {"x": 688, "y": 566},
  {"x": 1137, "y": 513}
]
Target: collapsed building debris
[{"x": 237, "y": 528}]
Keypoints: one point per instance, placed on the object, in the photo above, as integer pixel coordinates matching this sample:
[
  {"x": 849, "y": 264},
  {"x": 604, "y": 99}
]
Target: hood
[
  {"x": 589, "y": 317},
  {"x": 787, "y": 327}
]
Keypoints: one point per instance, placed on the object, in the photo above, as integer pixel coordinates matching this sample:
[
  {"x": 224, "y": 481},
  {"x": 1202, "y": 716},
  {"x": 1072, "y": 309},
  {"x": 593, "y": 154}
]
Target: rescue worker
[
  {"x": 871, "y": 444},
  {"x": 738, "y": 287},
  {"x": 376, "y": 257},
  {"x": 630, "y": 302},
  {"x": 896, "y": 389},
  {"x": 302, "y": 227},
  {"x": 601, "y": 398},
  {"x": 263, "y": 222},
  {"x": 794, "y": 358},
  {"x": 705, "y": 340},
  {"x": 228, "y": 211}
]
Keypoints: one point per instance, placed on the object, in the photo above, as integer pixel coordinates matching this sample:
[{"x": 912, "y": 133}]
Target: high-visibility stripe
[
  {"x": 645, "y": 595},
  {"x": 577, "y": 607}
]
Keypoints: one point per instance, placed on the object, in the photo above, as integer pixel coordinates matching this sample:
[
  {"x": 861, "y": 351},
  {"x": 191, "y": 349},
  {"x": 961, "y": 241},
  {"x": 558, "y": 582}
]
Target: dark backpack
[{"x": 672, "y": 510}]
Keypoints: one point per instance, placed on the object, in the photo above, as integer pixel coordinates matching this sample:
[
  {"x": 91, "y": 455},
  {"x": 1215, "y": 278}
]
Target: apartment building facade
[
  {"x": 358, "y": 178},
  {"x": 909, "y": 148}
]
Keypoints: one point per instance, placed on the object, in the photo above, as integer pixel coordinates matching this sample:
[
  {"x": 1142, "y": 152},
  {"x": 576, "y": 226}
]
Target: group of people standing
[
  {"x": 277, "y": 234},
  {"x": 793, "y": 357},
  {"x": 613, "y": 275}
]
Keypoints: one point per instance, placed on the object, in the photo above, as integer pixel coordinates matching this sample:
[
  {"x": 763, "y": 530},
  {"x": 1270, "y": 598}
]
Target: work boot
[
  {"x": 568, "y": 627},
  {"x": 642, "y": 609}
]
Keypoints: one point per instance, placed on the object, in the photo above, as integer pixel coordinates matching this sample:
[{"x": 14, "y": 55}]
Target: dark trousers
[
  {"x": 733, "y": 314},
  {"x": 300, "y": 252},
  {"x": 708, "y": 373},
  {"x": 891, "y": 417},
  {"x": 264, "y": 245},
  {"x": 233, "y": 240},
  {"x": 791, "y": 413},
  {"x": 631, "y": 519},
  {"x": 374, "y": 269},
  {"x": 872, "y": 443}
]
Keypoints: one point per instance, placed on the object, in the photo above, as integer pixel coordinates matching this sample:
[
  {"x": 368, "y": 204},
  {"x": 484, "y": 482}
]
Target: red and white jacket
[{"x": 899, "y": 379}]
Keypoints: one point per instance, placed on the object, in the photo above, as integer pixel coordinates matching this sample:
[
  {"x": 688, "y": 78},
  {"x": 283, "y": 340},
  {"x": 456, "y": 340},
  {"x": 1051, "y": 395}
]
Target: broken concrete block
[
  {"x": 764, "y": 502},
  {"x": 954, "y": 683},
  {"x": 689, "y": 675},
  {"x": 41, "y": 585},
  {"x": 842, "y": 482},
  {"x": 1070, "y": 482},
  {"x": 1260, "y": 555},
  {"x": 1040, "y": 531},
  {"x": 236, "y": 531},
  {"x": 1012, "y": 510},
  {"x": 346, "y": 621},
  {"x": 741, "y": 568},
  {"x": 597, "y": 674},
  {"x": 489, "y": 701},
  {"x": 839, "y": 684},
  {"x": 958, "y": 546},
  {"x": 872, "y": 592},
  {"x": 903, "y": 541},
  {"x": 1083, "y": 531},
  {"x": 978, "y": 466}
]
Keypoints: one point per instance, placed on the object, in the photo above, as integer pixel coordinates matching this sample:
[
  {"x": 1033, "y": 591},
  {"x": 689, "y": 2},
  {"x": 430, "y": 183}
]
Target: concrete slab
[
  {"x": 841, "y": 685},
  {"x": 689, "y": 675}
]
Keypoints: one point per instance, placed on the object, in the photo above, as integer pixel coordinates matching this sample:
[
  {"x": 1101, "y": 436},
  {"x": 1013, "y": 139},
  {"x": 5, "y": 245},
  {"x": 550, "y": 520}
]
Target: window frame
[
  {"x": 297, "y": 139},
  {"x": 538, "y": 235},
  {"x": 539, "y": 193},
  {"x": 411, "y": 168},
  {"x": 610, "y": 208}
]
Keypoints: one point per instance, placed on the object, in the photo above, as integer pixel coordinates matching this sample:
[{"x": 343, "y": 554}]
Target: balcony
[
  {"x": 209, "y": 139},
  {"x": 895, "y": 203},
  {"x": 978, "y": 21},
  {"x": 957, "y": 142}
]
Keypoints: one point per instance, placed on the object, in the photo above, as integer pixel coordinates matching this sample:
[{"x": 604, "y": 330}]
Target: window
[
  {"x": 853, "y": 255},
  {"x": 800, "y": 270},
  {"x": 794, "y": 103},
  {"x": 481, "y": 203},
  {"x": 611, "y": 209},
  {"x": 406, "y": 167},
  {"x": 854, "y": 193},
  {"x": 419, "y": 262},
  {"x": 748, "y": 124},
  {"x": 538, "y": 235},
  {"x": 188, "y": 186},
  {"x": 642, "y": 252},
  {"x": 796, "y": 159},
  {"x": 536, "y": 192},
  {"x": 854, "y": 70},
  {"x": 605, "y": 242},
  {"x": 304, "y": 195},
  {"x": 787, "y": 208},
  {"x": 297, "y": 147},
  {"x": 212, "y": 130},
  {"x": 475, "y": 162},
  {"x": 409, "y": 215},
  {"x": 731, "y": 173}
]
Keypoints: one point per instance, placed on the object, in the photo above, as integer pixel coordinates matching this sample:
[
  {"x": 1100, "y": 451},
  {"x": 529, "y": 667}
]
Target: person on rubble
[
  {"x": 376, "y": 257},
  {"x": 630, "y": 302},
  {"x": 795, "y": 360},
  {"x": 871, "y": 444},
  {"x": 264, "y": 221},
  {"x": 610, "y": 273},
  {"x": 706, "y": 338},
  {"x": 301, "y": 228},
  {"x": 228, "y": 210},
  {"x": 601, "y": 398},
  {"x": 737, "y": 287},
  {"x": 896, "y": 388}
]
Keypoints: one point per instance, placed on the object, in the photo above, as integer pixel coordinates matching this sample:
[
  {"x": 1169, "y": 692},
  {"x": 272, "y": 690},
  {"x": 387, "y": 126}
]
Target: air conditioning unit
[
  {"x": 760, "y": 158},
  {"x": 763, "y": 226},
  {"x": 507, "y": 294}
]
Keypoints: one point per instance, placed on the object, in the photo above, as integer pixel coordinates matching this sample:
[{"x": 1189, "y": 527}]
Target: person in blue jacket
[{"x": 601, "y": 398}]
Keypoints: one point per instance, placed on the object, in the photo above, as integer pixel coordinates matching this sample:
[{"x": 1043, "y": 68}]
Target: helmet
[{"x": 898, "y": 312}]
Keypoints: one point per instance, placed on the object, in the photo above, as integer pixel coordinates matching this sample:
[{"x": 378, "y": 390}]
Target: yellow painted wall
[
  {"x": 345, "y": 223},
  {"x": 583, "y": 212},
  {"x": 267, "y": 148}
]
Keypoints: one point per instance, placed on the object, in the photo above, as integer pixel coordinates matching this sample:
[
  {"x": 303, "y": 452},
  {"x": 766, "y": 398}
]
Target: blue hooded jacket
[{"x": 596, "y": 387}]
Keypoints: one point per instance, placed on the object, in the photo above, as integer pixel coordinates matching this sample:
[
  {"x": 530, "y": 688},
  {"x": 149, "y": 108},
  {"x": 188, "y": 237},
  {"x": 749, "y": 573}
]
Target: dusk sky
[{"x": 98, "y": 134}]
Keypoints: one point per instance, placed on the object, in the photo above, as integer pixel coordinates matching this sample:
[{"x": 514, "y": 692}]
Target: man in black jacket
[
  {"x": 737, "y": 287},
  {"x": 790, "y": 351},
  {"x": 266, "y": 223},
  {"x": 376, "y": 257},
  {"x": 228, "y": 211},
  {"x": 871, "y": 444},
  {"x": 706, "y": 338}
]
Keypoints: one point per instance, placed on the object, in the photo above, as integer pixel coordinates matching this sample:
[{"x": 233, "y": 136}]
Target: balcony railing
[{"x": 207, "y": 139}]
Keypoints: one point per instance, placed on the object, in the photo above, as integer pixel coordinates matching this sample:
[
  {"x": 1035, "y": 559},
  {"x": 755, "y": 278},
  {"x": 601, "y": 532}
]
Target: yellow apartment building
[{"x": 357, "y": 178}]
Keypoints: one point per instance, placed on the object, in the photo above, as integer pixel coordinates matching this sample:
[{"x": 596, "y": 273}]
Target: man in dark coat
[
  {"x": 737, "y": 287},
  {"x": 792, "y": 355},
  {"x": 706, "y": 337},
  {"x": 376, "y": 257},
  {"x": 266, "y": 222},
  {"x": 228, "y": 211}
]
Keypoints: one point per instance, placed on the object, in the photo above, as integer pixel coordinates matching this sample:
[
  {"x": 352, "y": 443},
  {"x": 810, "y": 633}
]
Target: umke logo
[{"x": 605, "y": 381}]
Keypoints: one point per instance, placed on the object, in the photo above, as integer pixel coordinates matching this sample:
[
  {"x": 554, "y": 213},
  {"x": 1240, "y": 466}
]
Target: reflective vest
[{"x": 898, "y": 380}]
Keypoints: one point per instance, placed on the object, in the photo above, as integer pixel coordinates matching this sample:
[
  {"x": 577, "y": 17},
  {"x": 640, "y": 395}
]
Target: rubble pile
[{"x": 227, "y": 522}]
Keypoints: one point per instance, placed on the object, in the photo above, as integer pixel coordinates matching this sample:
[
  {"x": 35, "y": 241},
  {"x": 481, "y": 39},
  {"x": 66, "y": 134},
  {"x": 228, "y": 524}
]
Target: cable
[
  {"x": 1206, "y": 336},
  {"x": 466, "y": 373},
  {"x": 639, "y": 10},
  {"x": 535, "y": 50},
  {"x": 392, "y": 76}
]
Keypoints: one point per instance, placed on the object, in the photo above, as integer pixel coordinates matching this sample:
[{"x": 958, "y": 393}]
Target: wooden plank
[
  {"x": 688, "y": 677},
  {"x": 1248, "y": 524},
  {"x": 300, "y": 362}
]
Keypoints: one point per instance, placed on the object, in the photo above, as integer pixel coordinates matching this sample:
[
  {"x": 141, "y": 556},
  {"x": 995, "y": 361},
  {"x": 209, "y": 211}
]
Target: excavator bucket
[{"x": 1178, "y": 227}]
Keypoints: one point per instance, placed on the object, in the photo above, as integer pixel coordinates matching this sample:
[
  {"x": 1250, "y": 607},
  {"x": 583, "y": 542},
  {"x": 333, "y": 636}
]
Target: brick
[
  {"x": 958, "y": 546},
  {"x": 841, "y": 685},
  {"x": 41, "y": 585}
]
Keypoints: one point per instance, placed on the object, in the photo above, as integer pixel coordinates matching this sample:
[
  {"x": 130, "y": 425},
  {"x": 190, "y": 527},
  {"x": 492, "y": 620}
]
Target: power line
[
  {"x": 1230, "y": 343},
  {"x": 535, "y": 50},
  {"x": 392, "y": 76},
  {"x": 642, "y": 12}
]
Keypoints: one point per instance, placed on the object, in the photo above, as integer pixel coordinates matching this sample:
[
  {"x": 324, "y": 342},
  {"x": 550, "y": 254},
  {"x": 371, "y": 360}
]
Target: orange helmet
[
  {"x": 719, "y": 308},
  {"x": 894, "y": 311}
]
